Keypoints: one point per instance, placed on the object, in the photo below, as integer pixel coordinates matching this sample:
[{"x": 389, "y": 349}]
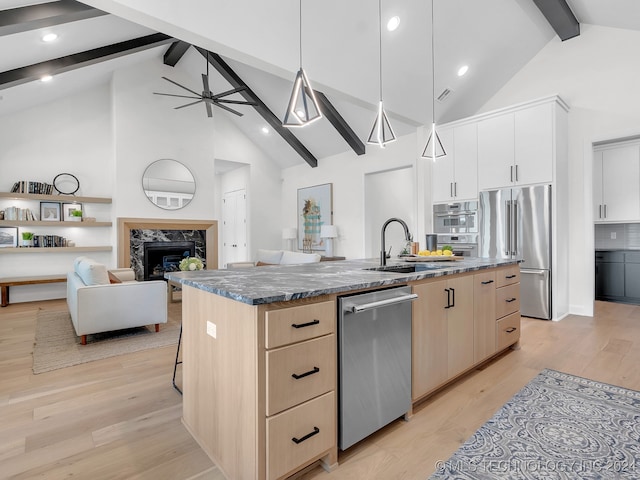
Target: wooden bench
[{"x": 7, "y": 282}]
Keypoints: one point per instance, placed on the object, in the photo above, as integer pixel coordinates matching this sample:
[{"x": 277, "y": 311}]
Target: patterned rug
[
  {"x": 558, "y": 426},
  {"x": 57, "y": 345}
]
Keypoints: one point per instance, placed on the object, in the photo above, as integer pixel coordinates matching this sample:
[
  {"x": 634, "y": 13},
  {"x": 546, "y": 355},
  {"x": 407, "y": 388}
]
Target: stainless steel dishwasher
[{"x": 374, "y": 331}]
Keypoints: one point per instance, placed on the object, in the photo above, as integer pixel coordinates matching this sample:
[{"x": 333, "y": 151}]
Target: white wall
[
  {"x": 597, "y": 76},
  {"x": 347, "y": 172},
  {"x": 263, "y": 189},
  {"x": 72, "y": 135}
]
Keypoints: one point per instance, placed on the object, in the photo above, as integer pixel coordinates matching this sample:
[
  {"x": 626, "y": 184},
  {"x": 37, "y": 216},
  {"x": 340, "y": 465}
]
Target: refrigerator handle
[
  {"x": 514, "y": 246},
  {"x": 508, "y": 229}
]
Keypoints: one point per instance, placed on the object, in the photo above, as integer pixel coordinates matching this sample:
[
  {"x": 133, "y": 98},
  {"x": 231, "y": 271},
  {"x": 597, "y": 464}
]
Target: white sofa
[
  {"x": 277, "y": 257},
  {"x": 98, "y": 305}
]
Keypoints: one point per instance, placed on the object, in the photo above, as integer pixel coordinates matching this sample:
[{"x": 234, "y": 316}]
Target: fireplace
[{"x": 161, "y": 257}]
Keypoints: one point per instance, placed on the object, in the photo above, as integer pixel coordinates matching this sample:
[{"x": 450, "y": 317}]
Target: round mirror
[{"x": 168, "y": 184}]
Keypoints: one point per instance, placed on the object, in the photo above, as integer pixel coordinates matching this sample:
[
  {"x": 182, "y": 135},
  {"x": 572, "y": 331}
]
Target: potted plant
[
  {"x": 27, "y": 239},
  {"x": 76, "y": 216}
]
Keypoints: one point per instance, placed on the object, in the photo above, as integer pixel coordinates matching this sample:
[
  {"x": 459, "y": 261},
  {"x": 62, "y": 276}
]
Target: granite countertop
[{"x": 278, "y": 283}]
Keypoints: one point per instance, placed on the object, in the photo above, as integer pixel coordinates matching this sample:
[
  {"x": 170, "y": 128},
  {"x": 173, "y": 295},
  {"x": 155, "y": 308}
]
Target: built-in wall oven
[{"x": 456, "y": 224}]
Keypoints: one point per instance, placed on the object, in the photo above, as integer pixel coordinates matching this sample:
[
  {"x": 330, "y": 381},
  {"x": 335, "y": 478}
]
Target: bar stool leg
[{"x": 175, "y": 365}]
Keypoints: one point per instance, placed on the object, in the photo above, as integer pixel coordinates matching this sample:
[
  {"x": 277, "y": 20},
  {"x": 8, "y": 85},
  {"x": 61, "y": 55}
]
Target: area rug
[
  {"x": 57, "y": 345},
  {"x": 558, "y": 426}
]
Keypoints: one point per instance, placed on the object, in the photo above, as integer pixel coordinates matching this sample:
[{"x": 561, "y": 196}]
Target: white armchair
[
  {"x": 97, "y": 305},
  {"x": 277, "y": 257}
]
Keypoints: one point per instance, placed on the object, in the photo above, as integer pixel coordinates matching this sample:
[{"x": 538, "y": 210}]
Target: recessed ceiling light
[
  {"x": 49, "y": 37},
  {"x": 462, "y": 70},
  {"x": 46, "y": 78},
  {"x": 393, "y": 23},
  {"x": 265, "y": 130}
]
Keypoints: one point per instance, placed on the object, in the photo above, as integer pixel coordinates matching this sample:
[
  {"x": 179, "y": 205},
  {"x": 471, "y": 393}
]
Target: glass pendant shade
[
  {"x": 303, "y": 107},
  {"x": 381, "y": 132},
  {"x": 434, "y": 148}
]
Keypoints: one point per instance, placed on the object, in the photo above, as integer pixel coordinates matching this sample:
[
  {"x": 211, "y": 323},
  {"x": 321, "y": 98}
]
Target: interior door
[{"x": 234, "y": 227}]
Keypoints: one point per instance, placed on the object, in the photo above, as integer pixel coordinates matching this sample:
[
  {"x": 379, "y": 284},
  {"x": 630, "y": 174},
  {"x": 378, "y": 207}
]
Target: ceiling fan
[{"x": 208, "y": 97}]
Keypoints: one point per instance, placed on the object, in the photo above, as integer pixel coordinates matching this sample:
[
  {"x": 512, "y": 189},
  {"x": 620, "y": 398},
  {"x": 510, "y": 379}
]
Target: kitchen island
[{"x": 260, "y": 350}]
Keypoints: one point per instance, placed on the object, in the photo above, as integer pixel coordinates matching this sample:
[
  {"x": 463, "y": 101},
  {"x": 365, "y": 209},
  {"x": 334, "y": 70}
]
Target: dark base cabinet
[{"x": 618, "y": 276}]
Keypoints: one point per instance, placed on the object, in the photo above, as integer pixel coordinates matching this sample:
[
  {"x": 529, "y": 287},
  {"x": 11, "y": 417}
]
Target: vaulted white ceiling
[{"x": 259, "y": 39}]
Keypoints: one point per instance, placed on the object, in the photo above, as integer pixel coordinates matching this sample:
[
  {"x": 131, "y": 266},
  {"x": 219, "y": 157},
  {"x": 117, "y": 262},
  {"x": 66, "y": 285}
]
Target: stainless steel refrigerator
[{"x": 516, "y": 223}]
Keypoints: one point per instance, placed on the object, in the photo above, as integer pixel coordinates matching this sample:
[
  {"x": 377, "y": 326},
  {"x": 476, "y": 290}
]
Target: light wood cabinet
[
  {"x": 616, "y": 183},
  {"x": 507, "y": 306},
  {"x": 260, "y": 383},
  {"x": 442, "y": 332},
  {"x": 455, "y": 176},
  {"x": 484, "y": 315}
]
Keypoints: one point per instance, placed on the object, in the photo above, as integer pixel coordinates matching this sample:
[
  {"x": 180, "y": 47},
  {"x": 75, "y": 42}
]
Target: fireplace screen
[{"x": 161, "y": 257}]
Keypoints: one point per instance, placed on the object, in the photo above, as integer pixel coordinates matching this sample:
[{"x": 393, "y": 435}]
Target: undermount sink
[
  {"x": 394, "y": 268},
  {"x": 405, "y": 268}
]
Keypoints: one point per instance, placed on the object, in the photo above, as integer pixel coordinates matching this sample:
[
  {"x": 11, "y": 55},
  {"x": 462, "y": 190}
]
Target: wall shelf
[
  {"x": 14, "y": 250},
  {"x": 54, "y": 198},
  {"x": 39, "y": 223}
]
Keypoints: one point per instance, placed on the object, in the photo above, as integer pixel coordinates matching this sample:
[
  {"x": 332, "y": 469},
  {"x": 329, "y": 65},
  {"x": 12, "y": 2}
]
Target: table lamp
[
  {"x": 290, "y": 234},
  {"x": 329, "y": 232}
]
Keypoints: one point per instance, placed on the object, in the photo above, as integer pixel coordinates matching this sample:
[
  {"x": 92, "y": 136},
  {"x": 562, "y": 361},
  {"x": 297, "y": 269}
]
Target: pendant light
[
  {"x": 381, "y": 132},
  {"x": 303, "y": 107},
  {"x": 434, "y": 148}
]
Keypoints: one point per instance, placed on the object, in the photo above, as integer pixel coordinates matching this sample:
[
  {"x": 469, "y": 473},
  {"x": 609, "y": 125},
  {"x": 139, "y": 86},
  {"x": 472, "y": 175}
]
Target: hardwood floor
[{"x": 119, "y": 418}]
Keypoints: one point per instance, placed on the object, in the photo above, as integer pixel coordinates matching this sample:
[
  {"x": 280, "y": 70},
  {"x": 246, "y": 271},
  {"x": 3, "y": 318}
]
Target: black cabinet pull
[
  {"x": 487, "y": 282},
  {"x": 305, "y": 374},
  {"x": 308, "y": 324},
  {"x": 308, "y": 435},
  {"x": 511, "y": 276},
  {"x": 509, "y": 300},
  {"x": 448, "y": 298},
  {"x": 511, "y": 330},
  {"x": 453, "y": 297}
]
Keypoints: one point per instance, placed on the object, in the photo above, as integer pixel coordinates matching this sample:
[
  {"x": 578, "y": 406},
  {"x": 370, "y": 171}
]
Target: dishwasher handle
[{"x": 383, "y": 303}]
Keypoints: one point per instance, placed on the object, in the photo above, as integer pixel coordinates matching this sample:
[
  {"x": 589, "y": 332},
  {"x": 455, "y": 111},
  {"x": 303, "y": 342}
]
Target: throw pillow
[
  {"x": 92, "y": 272},
  {"x": 269, "y": 256}
]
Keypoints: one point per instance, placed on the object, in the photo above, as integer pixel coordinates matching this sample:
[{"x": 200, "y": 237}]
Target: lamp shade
[
  {"x": 328, "y": 231},
  {"x": 289, "y": 233}
]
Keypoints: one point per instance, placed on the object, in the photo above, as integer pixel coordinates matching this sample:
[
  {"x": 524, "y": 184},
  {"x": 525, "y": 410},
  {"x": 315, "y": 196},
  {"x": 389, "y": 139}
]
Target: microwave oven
[{"x": 454, "y": 218}]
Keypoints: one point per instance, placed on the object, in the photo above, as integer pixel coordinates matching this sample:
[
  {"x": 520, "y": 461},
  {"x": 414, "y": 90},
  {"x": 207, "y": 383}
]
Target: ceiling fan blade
[
  {"x": 172, "y": 95},
  {"x": 236, "y": 102},
  {"x": 228, "y": 92},
  {"x": 182, "y": 86},
  {"x": 209, "y": 112},
  {"x": 188, "y": 104},
  {"x": 235, "y": 112},
  {"x": 205, "y": 84}
]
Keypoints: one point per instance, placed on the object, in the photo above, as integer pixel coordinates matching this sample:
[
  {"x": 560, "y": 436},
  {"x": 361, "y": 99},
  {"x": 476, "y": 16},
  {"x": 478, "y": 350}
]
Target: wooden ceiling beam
[
  {"x": 175, "y": 52},
  {"x": 23, "y": 19},
  {"x": 19, "y": 76},
  {"x": 236, "y": 82},
  {"x": 340, "y": 124},
  {"x": 560, "y": 16}
]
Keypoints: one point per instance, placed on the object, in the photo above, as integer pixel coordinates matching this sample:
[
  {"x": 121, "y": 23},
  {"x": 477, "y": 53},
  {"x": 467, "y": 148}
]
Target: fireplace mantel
[{"x": 125, "y": 225}]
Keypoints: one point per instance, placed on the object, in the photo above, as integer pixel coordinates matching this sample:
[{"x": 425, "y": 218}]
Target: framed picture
[
  {"x": 50, "y": 211},
  {"x": 8, "y": 237},
  {"x": 315, "y": 208},
  {"x": 67, "y": 212}
]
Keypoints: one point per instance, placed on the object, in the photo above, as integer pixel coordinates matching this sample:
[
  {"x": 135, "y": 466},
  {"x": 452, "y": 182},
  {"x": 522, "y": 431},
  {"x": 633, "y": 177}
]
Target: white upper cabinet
[
  {"x": 518, "y": 147},
  {"x": 495, "y": 152},
  {"x": 533, "y": 132},
  {"x": 455, "y": 176},
  {"x": 616, "y": 183}
]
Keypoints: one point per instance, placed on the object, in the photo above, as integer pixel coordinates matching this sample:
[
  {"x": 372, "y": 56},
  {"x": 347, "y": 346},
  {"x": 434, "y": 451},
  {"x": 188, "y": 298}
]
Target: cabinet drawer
[
  {"x": 610, "y": 256},
  {"x": 313, "y": 363},
  {"x": 283, "y": 453},
  {"x": 507, "y": 331},
  {"x": 508, "y": 276},
  {"x": 507, "y": 300},
  {"x": 296, "y": 324}
]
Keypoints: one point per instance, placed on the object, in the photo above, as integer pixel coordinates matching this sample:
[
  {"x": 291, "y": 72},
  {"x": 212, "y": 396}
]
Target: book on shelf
[
  {"x": 49, "y": 241},
  {"x": 28, "y": 186},
  {"x": 18, "y": 214}
]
